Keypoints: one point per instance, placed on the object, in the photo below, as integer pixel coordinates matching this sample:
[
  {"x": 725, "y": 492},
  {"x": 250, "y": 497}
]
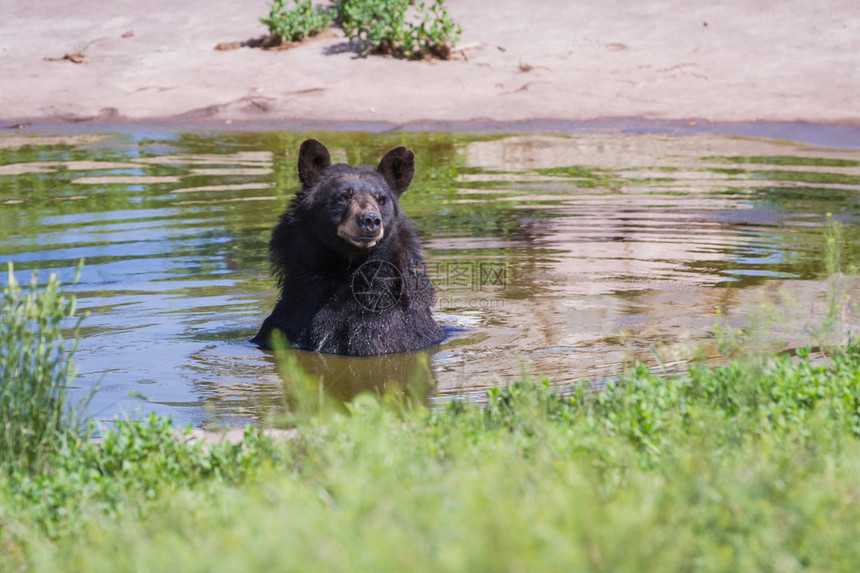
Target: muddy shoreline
[{"x": 834, "y": 135}]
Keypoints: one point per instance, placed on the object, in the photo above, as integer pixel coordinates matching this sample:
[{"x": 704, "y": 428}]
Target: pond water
[{"x": 566, "y": 256}]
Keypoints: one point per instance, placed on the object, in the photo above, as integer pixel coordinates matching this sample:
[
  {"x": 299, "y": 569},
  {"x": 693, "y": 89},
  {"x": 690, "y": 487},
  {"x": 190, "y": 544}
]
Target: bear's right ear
[
  {"x": 398, "y": 169},
  {"x": 313, "y": 160}
]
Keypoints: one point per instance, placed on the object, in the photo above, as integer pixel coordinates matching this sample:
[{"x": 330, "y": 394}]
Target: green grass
[
  {"x": 747, "y": 466},
  {"x": 752, "y": 465},
  {"x": 35, "y": 369}
]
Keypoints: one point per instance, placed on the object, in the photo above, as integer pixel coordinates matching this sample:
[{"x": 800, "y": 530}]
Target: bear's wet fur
[{"x": 348, "y": 262}]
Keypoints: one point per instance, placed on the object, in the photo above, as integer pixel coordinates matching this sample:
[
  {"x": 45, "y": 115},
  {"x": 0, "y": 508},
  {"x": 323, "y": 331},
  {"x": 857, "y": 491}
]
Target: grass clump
[
  {"x": 383, "y": 27},
  {"x": 294, "y": 24},
  {"x": 35, "y": 371}
]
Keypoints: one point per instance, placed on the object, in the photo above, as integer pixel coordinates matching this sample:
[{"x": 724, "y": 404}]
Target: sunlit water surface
[{"x": 564, "y": 256}]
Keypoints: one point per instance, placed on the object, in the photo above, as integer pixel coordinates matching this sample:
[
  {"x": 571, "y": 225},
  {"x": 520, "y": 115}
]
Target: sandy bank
[{"x": 733, "y": 61}]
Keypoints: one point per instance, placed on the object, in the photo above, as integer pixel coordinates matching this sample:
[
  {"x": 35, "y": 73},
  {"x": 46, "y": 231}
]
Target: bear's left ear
[{"x": 398, "y": 169}]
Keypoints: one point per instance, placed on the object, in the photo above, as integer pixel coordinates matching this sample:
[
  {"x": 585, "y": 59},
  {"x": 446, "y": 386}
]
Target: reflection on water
[
  {"x": 563, "y": 255},
  {"x": 343, "y": 377}
]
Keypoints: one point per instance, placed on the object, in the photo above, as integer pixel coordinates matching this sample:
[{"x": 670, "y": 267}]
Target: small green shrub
[
  {"x": 132, "y": 464},
  {"x": 302, "y": 21},
  {"x": 36, "y": 368},
  {"x": 382, "y": 27}
]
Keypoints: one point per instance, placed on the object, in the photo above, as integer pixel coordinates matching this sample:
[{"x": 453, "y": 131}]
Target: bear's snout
[
  {"x": 363, "y": 226},
  {"x": 370, "y": 222}
]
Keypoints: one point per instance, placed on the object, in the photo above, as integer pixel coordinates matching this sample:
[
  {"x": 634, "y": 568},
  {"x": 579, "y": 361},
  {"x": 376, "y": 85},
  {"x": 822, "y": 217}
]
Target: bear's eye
[
  {"x": 381, "y": 199},
  {"x": 345, "y": 195}
]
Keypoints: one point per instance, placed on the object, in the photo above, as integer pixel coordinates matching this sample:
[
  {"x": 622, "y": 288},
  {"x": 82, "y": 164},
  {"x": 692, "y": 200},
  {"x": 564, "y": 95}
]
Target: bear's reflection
[{"x": 404, "y": 374}]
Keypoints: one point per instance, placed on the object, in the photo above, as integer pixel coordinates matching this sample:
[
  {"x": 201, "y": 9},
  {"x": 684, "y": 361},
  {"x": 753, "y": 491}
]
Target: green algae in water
[{"x": 788, "y": 160}]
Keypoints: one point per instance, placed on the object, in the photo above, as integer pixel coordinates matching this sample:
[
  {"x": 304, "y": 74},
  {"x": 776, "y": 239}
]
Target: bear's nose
[{"x": 370, "y": 222}]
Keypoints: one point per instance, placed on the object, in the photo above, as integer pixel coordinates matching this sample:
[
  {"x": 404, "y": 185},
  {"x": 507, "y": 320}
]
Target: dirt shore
[{"x": 554, "y": 60}]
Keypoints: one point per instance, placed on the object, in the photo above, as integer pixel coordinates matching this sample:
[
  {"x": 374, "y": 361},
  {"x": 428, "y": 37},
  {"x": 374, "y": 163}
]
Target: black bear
[{"x": 348, "y": 263}]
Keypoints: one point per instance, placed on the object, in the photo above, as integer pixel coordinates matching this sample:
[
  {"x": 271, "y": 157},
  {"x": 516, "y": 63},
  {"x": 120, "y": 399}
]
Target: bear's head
[{"x": 355, "y": 207}]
